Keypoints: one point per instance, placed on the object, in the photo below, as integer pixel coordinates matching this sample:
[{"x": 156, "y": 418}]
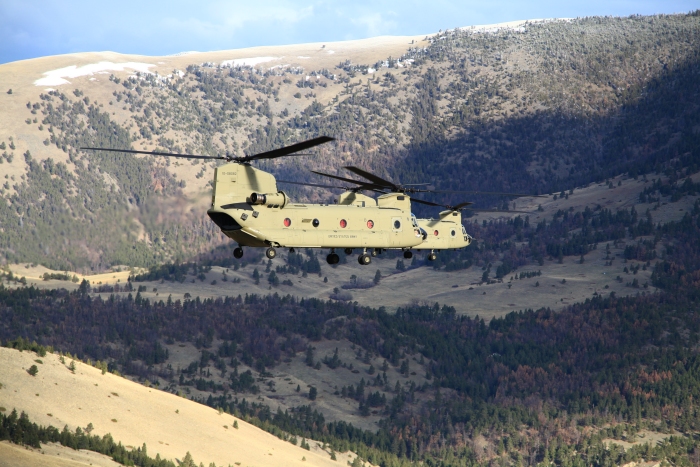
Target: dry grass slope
[{"x": 169, "y": 425}]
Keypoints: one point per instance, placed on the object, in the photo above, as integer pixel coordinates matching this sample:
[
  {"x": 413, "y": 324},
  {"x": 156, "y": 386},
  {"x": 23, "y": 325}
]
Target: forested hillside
[
  {"x": 542, "y": 108},
  {"x": 532, "y": 387}
]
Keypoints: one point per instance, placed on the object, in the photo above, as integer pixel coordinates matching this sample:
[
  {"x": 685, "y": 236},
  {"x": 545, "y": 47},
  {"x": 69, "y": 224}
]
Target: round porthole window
[
  {"x": 287, "y": 222},
  {"x": 370, "y": 224},
  {"x": 436, "y": 233},
  {"x": 397, "y": 224},
  {"x": 315, "y": 223},
  {"x": 343, "y": 223},
  {"x": 453, "y": 233}
]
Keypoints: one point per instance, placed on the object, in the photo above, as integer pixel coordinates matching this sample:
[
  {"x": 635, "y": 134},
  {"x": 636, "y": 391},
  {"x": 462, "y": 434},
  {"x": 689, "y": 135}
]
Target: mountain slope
[{"x": 169, "y": 425}]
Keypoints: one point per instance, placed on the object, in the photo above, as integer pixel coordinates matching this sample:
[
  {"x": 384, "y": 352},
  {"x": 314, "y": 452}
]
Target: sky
[{"x": 36, "y": 28}]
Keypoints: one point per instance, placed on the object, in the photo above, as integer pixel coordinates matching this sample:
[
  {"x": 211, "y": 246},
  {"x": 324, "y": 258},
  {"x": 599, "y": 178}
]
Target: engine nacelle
[{"x": 275, "y": 200}]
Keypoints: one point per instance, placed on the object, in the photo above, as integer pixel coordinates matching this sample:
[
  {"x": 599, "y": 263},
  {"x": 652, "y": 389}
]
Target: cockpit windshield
[{"x": 415, "y": 222}]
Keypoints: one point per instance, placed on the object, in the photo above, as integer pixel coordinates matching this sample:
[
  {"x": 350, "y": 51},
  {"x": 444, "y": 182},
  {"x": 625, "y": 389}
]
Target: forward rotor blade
[
  {"x": 287, "y": 150},
  {"x": 155, "y": 153},
  {"x": 371, "y": 177}
]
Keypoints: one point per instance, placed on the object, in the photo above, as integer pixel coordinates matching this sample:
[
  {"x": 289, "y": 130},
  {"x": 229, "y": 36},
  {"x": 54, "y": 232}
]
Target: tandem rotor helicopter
[{"x": 248, "y": 208}]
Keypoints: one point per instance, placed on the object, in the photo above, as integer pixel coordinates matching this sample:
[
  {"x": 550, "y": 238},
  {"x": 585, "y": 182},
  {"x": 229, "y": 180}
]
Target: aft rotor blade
[
  {"x": 459, "y": 206},
  {"x": 369, "y": 186},
  {"x": 312, "y": 184},
  {"x": 371, "y": 177},
  {"x": 155, "y": 153},
  {"x": 500, "y": 212},
  {"x": 487, "y": 193},
  {"x": 287, "y": 150},
  {"x": 427, "y": 203}
]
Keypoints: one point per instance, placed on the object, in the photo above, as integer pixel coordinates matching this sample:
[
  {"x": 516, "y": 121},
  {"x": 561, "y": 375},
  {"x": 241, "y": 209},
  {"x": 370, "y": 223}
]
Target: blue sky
[{"x": 31, "y": 28}]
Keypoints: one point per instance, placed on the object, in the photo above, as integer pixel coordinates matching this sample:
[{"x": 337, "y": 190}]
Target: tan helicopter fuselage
[
  {"x": 250, "y": 210},
  {"x": 446, "y": 232}
]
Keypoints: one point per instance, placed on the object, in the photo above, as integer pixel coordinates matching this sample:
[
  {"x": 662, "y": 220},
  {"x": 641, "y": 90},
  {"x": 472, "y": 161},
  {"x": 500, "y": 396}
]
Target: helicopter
[{"x": 249, "y": 208}]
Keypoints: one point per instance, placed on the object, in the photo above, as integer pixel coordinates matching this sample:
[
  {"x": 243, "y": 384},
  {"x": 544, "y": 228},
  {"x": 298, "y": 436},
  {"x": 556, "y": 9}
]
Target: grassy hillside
[{"x": 138, "y": 416}]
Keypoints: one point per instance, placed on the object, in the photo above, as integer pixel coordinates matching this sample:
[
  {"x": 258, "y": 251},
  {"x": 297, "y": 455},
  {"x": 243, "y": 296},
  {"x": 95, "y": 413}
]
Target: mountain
[{"x": 541, "y": 106}]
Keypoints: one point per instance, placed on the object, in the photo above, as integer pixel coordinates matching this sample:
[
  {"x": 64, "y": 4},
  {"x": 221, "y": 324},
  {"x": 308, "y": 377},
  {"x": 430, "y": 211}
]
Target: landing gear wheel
[
  {"x": 270, "y": 253},
  {"x": 333, "y": 258},
  {"x": 432, "y": 257},
  {"x": 348, "y": 251},
  {"x": 238, "y": 253},
  {"x": 364, "y": 259},
  {"x": 408, "y": 254}
]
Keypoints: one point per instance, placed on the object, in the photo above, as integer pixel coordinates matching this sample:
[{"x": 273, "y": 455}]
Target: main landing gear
[
  {"x": 408, "y": 254},
  {"x": 432, "y": 256},
  {"x": 238, "y": 253},
  {"x": 364, "y": 259},
  {"x": 270, "y": 253},
  {"x": 333, "y": 257}
]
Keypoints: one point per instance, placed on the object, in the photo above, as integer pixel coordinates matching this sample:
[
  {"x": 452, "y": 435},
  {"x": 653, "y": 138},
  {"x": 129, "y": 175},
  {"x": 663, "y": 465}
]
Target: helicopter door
[{"x": 396, "y": 228}]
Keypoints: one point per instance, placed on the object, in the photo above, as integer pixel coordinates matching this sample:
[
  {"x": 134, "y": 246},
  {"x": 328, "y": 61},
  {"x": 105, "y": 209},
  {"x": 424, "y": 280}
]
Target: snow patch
[
  {"x": 179, "y": 54},
  {"x": 330, "y": 51},
  {"x": 58, "y": 77},
  {"x": 301, "y": 56},
  {"x": 247, "y": 61}
]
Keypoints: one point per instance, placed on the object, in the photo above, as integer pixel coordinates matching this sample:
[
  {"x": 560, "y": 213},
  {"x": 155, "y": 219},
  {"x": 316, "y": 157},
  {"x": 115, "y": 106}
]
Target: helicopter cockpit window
[
  {"x": 414, "y": 222},
  {"x": 464, "y": 230}
]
